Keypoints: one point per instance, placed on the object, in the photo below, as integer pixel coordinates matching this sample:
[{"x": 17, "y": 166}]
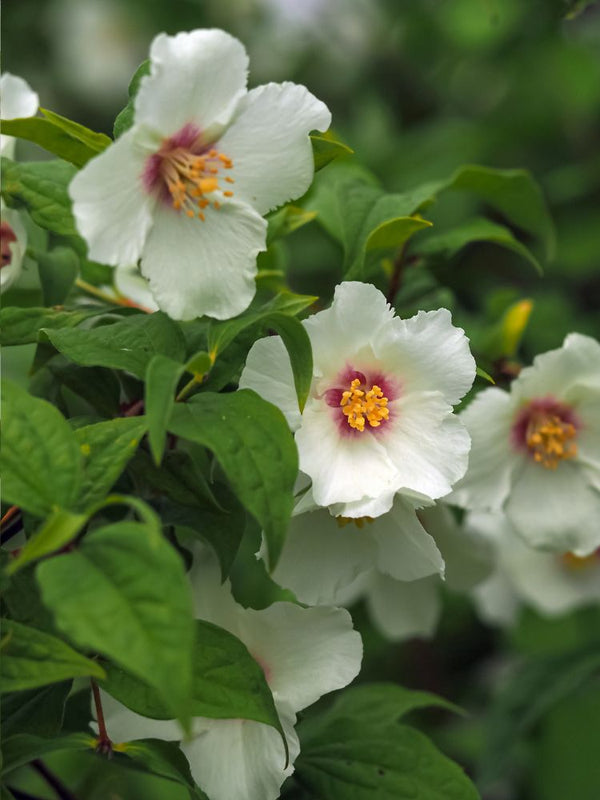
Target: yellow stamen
[
  {"x": 360, "y": 407},
  {"x": 189, "y": 178},
  {"x": 549, "y": 439},
  {"x": 358, "y": 521}
]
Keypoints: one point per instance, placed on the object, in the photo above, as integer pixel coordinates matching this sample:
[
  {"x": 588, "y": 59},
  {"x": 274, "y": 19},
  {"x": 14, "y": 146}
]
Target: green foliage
[
  {"x": 251, "y": 440},
  {"x": 123, "y": 594},
  {"x": 164, "y": 759},
  {"x": 22, "y": 748},
  {"x": 23, "y": 325},
  {"x": 32, "y": 658},
  {"x": 124, "y": 119}
]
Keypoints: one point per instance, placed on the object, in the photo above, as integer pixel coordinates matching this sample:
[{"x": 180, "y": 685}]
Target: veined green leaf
[
  {"x": 22, "y": 325},
  {"x": 96, "y": 142},
  {"x": 32, "y": 658},
  {"x": 162, "y": 377},
  {"x": 21, "y": 749}
]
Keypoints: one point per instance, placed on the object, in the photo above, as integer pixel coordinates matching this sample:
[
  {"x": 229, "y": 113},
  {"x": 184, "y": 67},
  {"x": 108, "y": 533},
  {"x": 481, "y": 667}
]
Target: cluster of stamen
[
  {"x": 361, "y": 406},
  {"x": 549, "y": 439},
  {"x": 358, "y": 521},
  {"x": 189, "y": 177}
]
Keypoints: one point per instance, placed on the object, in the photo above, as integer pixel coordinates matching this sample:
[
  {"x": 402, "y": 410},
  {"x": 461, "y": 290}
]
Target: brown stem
[
  {"x": 51, "y": 779},
  {"x": 104, "y": 744},
  {"x": 135, "y": 409},
  {"x": 9, "y": 515}
]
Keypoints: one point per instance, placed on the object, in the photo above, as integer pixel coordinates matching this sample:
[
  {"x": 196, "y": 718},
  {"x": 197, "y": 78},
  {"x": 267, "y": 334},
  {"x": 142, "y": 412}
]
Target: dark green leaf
[
  {"x": 475, "y": 230},
  {"x": 162, "y": 377},
  {"x": 106, "y": 447},
  {"x": 22, "y": 325},
  {"x": 129, "y": 344},
  {"x": 255, "y": 448},
  {"x": 164, "y": 759},
  {"x": 23, "y": 748},
  {"x": 124, "y": 119},
  {"x": 38, "y": 711},
  {"x": 123, "y": 593},
  {"x": 40, "y": 455},
  {"x": 41, "y": 186},
  {"x": 287, "y": 220},
  {"x": 100, "y": 387},
  {"x": 326, "y": 149},
  {"x": 31, "y": 658}
]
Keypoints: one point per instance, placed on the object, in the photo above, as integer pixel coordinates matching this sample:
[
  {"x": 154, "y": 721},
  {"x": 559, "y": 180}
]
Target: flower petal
[
  {"x": 585, "y": 399},
  {"x": 320, "y": 558},
  {"x": 305, "y": 652},
  {"x": 555, "y": 510},
  {"x": 18, "y": 98},
  {"x": 357, "y": 316},
  {"x": 405, "y": 551},
  {"x": 204, "y": 267},
  {"x": 134, "y": 287},
  {"x": 236, "y": 759},
  {"x": 492, "y": 460},
  {"x": 112, "y": 210},
  {"x": 428, "y": 445},
  {"x": 343, "y": 468},
  {"x": 268, "y": 371},
  {"x": 196, "y": 77},
  {"x": 125, "y": 725},
  {"x": 430, "y": 354},
  {"x": 269, "y": 145},
  {"x": 401, "y": 609},
  {"x": 496, "y": 600}
]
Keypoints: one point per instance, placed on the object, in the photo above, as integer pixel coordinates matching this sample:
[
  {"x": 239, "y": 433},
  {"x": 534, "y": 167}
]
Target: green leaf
[
  {"x": 253, "y": 444},
  {"x": 58, "y": 270},
  {"x": 57, "y": 531},
  {"x": 98, "y": 386},
  {"x": 326, "y": 149},
  {"x": 162, "y": 377},
  {"x": 96, "y": 142},
  {"x": 161, "y": 758},
  {"x": 293, "y": 334},
  {"x": 502, "y": 340},
  {"x": 124, "y": 119},
  {"x": 31, "y": 658},
  {"x": 60, "y": 136},
  {"x": 512, "y": 192},
  {"x": 448, "y": 244},
  {"x": 41, "y": 461},
  {"x": 106, "y": 447},
  {"x": 351, "y": 759},
  {"x": 485, "y": 375},
  {"x": 41, "y": 186},
  {"x": 123, "y": 593},
  {"x": 291, "y": 303},
  {"x": 287, "y": 220},
  {"x": 23, "y": 748},
  {"x": 22, "y": 325},
  {"x": 227, "y": 683},
  {"x": 37, "y": 711},
  {"x": 129, "y": 344}
]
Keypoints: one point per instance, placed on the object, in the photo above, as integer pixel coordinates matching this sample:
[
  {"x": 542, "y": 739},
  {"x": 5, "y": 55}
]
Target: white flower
[
  {"x": 551, "y": 583},
  {"x": 13, "y": 243},
  {"x": 536, "y": 450},
  {"x": 184, "y": 189},
  {"x": 379, "y": 418},
  {"x": 396, "y": 562},
  {"x": 304, "y": 652},
  {"x": 17, "y": 100}
]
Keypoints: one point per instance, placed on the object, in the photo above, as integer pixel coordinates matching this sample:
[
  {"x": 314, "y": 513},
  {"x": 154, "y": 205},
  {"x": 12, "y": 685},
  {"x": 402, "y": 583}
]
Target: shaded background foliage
[{"x": 416, "y": 89}]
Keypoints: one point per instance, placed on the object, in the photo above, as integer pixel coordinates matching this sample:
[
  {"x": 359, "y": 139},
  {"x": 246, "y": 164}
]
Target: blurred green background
[{"x": 417, "y": 88}]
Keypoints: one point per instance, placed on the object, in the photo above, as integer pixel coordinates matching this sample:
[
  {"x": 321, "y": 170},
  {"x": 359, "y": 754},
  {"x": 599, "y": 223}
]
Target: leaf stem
[
  {"x": 197, "y": 379},
  {"x": 61, "y": 790},
  {"x": 9, "y": 515},
  {"x": 104, "y": 744},
  {"x": 112, "y": 299}
]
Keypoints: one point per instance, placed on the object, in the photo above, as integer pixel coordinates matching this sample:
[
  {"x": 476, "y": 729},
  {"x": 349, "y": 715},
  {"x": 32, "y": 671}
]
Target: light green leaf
[
  {"x": 41, "y": 461},
  {"x": 291, "y": 303},
  {"x": 58, "y": 270},
  {"x": 475, "y": 230},
  {"x": 123, "y": 593},
  {"x": 227, "y": 683},
  {"x": 96, "y": 142},
  {"x": 485, "y": 375},
  {"x": 351, "y": 759},
  {"x": 162, "y": 377},
  {"x": 253, "y": 444},
  {"x": 31, "y": 658},
  {"x": 22, "y": 325},
  {"x": 57, "y": 531},
  {"x": 287, "y": 220},
  {"x": 41, "y": 186},
  {"x": 106, "y": 448},
  {"x": 124, "y": 119},
  {"x": 129, "y": 344},
  {"x": 23, "y": 748},
  {"x": 326, "y": 149}
]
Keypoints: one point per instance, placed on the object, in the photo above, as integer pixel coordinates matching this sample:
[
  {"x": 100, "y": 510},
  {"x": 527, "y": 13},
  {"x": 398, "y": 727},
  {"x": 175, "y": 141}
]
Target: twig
[
  {"x": 51, "y": 779},
  {"x": 104, "y": 744},
  {"x": 9, "y": 515}
]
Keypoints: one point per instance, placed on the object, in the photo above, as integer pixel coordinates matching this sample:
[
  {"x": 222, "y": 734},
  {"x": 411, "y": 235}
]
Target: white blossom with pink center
[
  {"x": 536, "y": 450},
  {"x": 17, "y": 100},
  {"x": 184, "y": 190},
  {"x": 378, "y": 421},
  {"x": 552, "y": 584},
  {"x": 304, "y": 653},
  {"x": 13, "y": 243}
]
